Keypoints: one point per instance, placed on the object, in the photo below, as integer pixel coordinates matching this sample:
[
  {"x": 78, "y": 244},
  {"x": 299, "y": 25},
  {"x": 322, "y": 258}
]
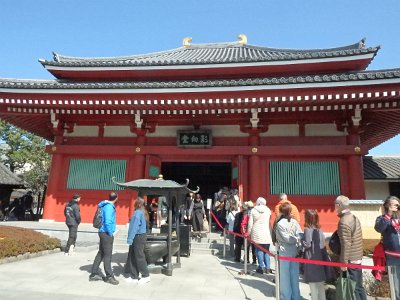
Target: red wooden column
[
  {"x": 50, "y": 203},
  {"x": 254, "y": 167},
  {"x": 136, "y": 171},
  {"x": 355, "y": 167},
  {"x": 356, "y": 177}
]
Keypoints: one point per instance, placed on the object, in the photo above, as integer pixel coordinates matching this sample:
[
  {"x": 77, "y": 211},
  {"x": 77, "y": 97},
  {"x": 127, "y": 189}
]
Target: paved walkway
[{"x": 201, "y": 276}]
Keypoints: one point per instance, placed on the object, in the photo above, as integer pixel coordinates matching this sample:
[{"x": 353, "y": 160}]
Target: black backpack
[
  {"x": 98, "y": 218},
  {"x": 334, "y": 243}
]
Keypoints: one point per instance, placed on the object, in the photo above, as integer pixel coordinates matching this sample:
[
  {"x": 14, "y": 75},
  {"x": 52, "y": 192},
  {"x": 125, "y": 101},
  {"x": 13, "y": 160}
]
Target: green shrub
[{"x": 15, "y": 241}]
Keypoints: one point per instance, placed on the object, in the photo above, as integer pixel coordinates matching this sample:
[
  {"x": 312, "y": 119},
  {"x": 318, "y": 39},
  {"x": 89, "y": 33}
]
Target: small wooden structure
[{"x": 175, "y": 194}]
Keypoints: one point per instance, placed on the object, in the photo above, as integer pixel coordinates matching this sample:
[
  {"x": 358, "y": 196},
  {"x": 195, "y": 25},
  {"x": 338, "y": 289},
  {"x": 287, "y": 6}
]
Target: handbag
[
  {"x": 345, "y": 287},
  {"x": 205, "y": 225},
  {"x": 330, "y": 273}
]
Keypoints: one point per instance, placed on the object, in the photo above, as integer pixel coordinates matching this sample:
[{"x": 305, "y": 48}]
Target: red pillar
[
  {"x": 136, "y": 171},
  {"x": 356, "y": 177},
  {"x": 254, "y": 167},
  {"x": 52, "y": 187}
]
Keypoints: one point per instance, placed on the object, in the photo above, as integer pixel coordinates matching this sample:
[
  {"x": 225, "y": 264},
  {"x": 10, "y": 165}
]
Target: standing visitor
[
  {"x": 351, "y": 243},
  {"x": 314, "y": 245},
  {"x": 284, "y": 199},
  {"x": 244, "y": 228},
  {"x": 136, "y": 240},
  {"x": 288, "y": 235},
  {"x": 106, "y": 235},
  {"x": 230, "y": 219},
  {"x": 72, "y": 219},
  {"x": 238, "y": 229},
  {"x": 389, "y": 226},
  {"x": 197, "y": 214},
  {"x": 259, "y": 232}
]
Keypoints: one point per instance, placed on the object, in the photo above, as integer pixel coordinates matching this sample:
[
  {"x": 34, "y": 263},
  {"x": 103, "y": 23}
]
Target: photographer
[{"x": 389, "y": 226}]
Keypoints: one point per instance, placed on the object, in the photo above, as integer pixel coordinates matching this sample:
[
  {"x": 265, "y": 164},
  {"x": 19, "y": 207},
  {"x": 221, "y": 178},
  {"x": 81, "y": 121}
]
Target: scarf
[{"x": 395, "y": 222}]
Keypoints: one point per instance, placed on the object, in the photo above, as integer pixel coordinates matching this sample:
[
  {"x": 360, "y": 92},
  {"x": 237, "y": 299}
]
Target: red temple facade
[{"x": 259, "y": 119}]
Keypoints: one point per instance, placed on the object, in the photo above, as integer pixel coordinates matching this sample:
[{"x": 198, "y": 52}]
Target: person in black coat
[{"x": 72, "y": 219}]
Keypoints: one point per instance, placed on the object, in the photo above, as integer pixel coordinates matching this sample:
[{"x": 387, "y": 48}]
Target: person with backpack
[
  {"x": 138, "y": 227},
  {"x": 314, "y": 249},
  {"x": 237, "y": 229},
  {"x": 389, "y": 226},
  {"x": 106, "y": 233},
  {"x": 351, "y": 243},
  {"x": 72, "y": 220},
  {"x": 288, "y": 239}
]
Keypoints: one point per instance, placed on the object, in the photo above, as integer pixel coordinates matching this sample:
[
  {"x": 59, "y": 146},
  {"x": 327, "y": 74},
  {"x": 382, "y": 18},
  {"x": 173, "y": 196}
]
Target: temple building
[{"x": 262, "y": 120}]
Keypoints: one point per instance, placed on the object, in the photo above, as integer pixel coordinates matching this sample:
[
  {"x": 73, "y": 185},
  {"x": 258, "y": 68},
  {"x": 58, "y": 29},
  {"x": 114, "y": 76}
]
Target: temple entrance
[{"x": 210, "y": 177}]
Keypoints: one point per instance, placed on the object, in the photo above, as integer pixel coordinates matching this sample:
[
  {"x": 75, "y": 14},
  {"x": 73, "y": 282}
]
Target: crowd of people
[
  {"x": 285, "y": 233},
  {"x": 244, "y": 220}
]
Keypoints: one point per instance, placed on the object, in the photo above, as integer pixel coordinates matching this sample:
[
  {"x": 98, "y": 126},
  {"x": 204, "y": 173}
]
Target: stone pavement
[{"x": 201, "y": 276}]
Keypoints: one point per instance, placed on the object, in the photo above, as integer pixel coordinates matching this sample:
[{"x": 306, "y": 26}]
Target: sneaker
[
  {"x": 95, "y": 277},
  {"x": 111, "y": 280},
  {"x": 66, "y": 253},
  {"x": 71, "y": 249},
  {"x": 259, "y": 270},
  {"x": 144, "y": 280},
  {"x": 268, "y": 271},
  {"x": 131, "y": 280}
]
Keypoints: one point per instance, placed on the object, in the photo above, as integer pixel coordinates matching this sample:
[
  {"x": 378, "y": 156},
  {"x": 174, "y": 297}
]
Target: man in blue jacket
[{"x": 106, "y": 234}]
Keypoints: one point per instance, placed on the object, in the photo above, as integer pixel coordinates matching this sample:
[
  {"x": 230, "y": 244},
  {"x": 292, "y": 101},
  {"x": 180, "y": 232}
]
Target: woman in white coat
[{"x": 259, "y": 232}]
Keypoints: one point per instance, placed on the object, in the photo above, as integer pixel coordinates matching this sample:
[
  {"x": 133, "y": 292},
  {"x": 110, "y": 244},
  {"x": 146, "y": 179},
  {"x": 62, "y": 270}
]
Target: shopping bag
[
  {"x": 345, "y": 287},
  {"x": 205, "y": 225}
]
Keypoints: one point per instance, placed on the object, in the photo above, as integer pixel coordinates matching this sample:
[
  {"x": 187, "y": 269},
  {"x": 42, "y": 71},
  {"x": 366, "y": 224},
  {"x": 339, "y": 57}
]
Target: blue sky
[{"x": 30, "y": 30}]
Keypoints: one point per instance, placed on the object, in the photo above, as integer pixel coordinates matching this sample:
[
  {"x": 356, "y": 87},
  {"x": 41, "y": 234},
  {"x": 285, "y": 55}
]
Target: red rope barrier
[{"x": 300, "y": 260}]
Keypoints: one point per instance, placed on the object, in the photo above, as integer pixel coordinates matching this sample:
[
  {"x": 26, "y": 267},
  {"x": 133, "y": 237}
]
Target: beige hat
[{"x": 250, "y": 204}]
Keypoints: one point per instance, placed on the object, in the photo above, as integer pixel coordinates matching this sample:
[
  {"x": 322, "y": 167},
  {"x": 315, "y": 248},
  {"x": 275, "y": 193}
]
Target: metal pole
[
  {"x": 277, "y": 283},
  {"x": 245, "y": 255},
  {"x": 391, "y": 273},
  {"x": 209, "y": 221},
  {"x": 224, "y": 249}
]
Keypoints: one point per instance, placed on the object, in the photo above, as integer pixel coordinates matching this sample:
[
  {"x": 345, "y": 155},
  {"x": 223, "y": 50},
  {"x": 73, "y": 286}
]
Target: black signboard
[{"x": 194, "y": 138}]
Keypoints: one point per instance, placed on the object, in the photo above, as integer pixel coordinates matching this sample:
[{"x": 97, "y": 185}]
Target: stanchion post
[
  {"x": 277, "y": 283},
  {"x": 209, "y": 221},
  {"x": 224, "y": 249},
  {"x": 245, "y": 255},
  {"x": 391, "y": 274}
]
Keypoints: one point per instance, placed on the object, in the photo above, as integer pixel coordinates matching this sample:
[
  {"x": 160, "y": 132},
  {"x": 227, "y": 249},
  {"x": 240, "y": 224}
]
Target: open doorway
[{"x": 209, "y": 177}]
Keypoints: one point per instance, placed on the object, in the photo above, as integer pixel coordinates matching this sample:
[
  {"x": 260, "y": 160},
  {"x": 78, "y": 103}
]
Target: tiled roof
[
  {"x": 382, "y": 167},
  {"x": 218, "y": 53},
  {"x": 270, "y": 81},
  {"x": 8, "y": 178}
]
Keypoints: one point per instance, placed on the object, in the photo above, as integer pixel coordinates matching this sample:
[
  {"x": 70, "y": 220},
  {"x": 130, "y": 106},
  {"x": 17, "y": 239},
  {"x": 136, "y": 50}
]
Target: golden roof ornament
[
  {"x": 186, "y": 41},
  {"x": 242, "y": 39}
]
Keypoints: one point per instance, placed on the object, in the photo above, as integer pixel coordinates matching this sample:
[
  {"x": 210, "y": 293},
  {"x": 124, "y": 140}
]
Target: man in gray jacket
[
  {"x": 72, "y": 219},
  {"x": 351, "y": 242}
]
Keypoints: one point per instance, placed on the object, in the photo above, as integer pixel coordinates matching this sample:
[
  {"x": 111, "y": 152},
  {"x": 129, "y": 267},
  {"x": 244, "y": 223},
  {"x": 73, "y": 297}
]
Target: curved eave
[
  {"x": 307, "y": 82},
  {"x": 211, "y": 70}
]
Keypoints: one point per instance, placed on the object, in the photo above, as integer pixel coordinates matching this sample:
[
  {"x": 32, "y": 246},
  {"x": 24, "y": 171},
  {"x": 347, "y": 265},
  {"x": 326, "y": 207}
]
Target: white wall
[{"x": 376, "y": 190}]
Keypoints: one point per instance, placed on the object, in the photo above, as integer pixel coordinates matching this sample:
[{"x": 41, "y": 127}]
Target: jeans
[
  {"x": 104, "y": 254},
  {"x": 356, "y": 275},
  {"x": 289, "y": 280},
  {"x": 73, "y": 232},
  {"x": 395, "y": 274},
  {"x": 263, "y": 257},
  {"x": 138, "y": 259}
]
